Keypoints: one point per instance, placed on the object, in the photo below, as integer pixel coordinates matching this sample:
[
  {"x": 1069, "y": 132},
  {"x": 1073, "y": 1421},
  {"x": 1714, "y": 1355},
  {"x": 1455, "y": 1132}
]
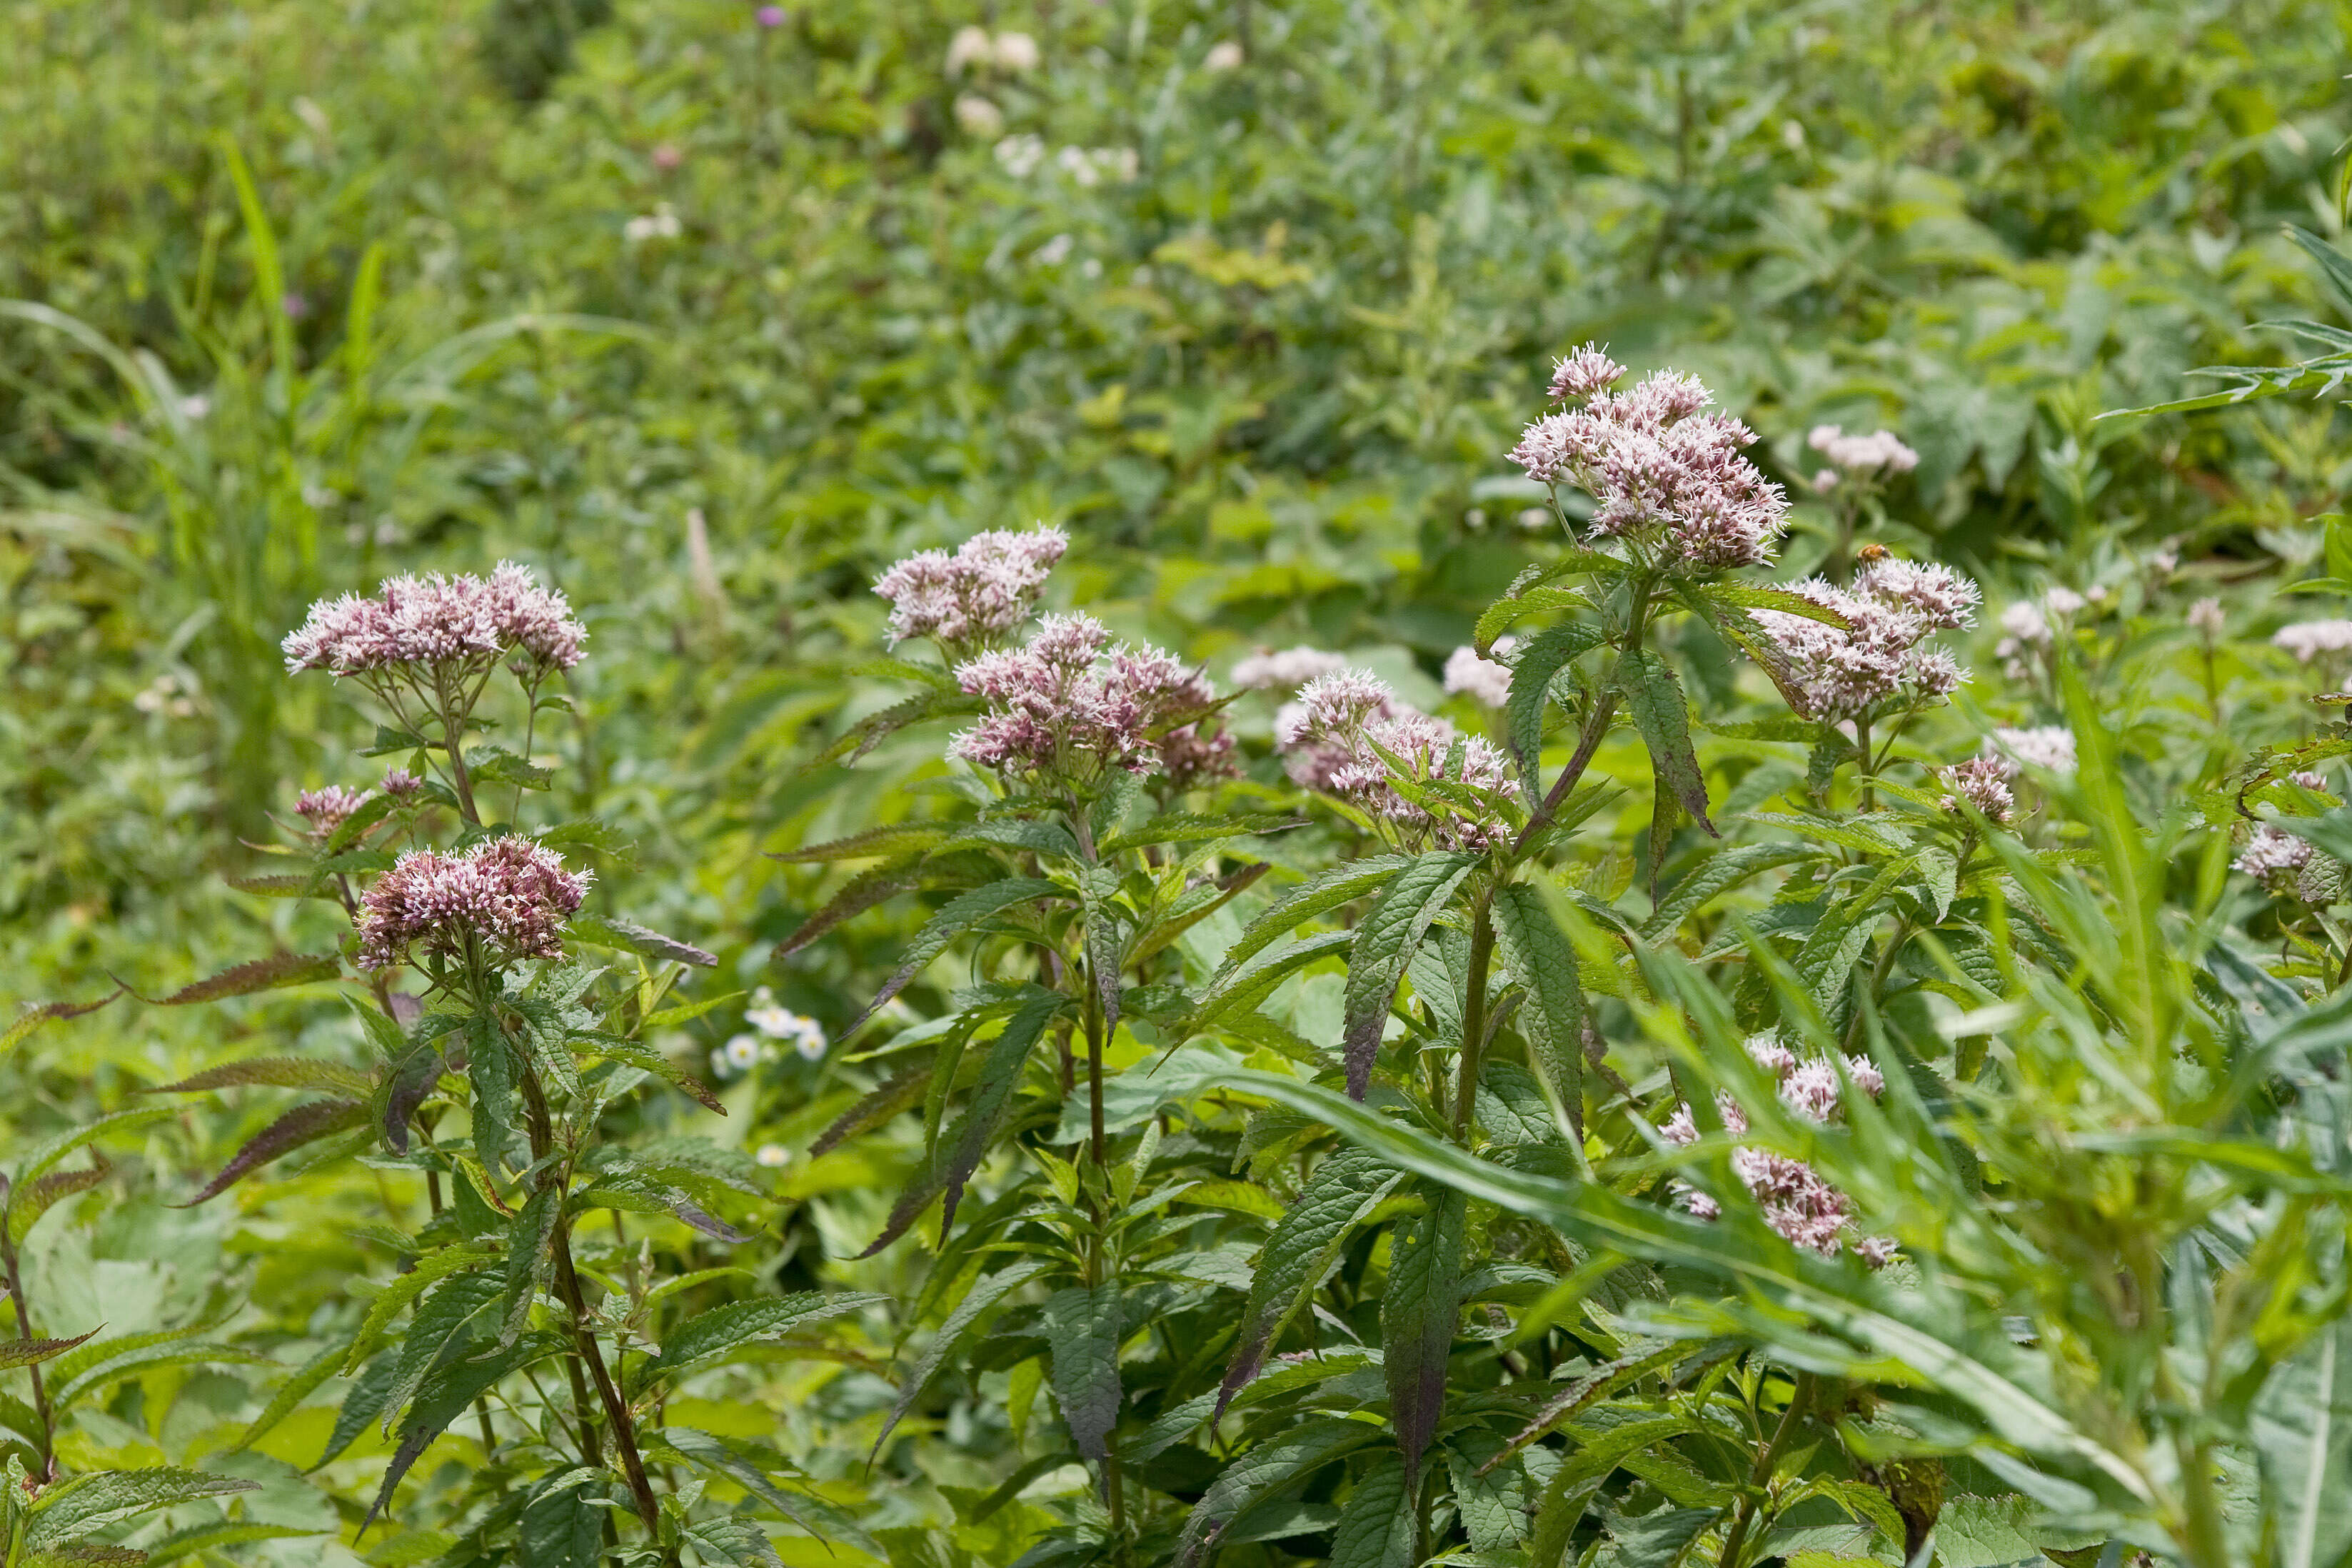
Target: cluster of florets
[
  {"x": 2309, "y": 639},
  {"x": 503, "y": 900},
  {"x": 416, "y": 622},
  {"x": 327, "y": 809},
  {"x": 1072, "y": 706},
  {"x": 1285, "y": 671},
  {"x": 402, "y": 785},
  {"x": 1858, "y": 456},
  {"x": 966, "y": 601},
  {"x": 2276, "y": 858},
  {"x": 2206, "y": 619},
  {"x": 1666, "y": 478},
  {"x": 1878, "y": 658},
  {"x": 1334, "y": 736},
  {"x": 1984, "y": 783},
  {"x": 2047, "y": 746},
  {"x": 2029, "y": 627},
  {"x": 1794, "y": 1199},
  {"x": 773, "y": 1027},
  {"x": 1482, "y": 679}
]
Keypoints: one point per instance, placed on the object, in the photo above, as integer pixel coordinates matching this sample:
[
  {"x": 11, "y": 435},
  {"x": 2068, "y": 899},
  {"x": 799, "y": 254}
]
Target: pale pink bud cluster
[
  {"x": 1336, "y": 732},
  {"x": 433, "y": 620},
  {"x": 401, "y": 784},
  {"x": 2205, "y": 618},
  {"x": 2048, "y": 746},
  {"x": 1483, "y": 680},
  {"x": 327, "y": 809},
  {"x": 1794, "y": 1199},
  {"x": 1858, "y": 455},
  {"x": 2273, "y": 858},
  {"x": 504, "y": 898},
  {"x": 1286, "y": 671},
  {"x": 2308, "y": 639},
  {"x": 965, "y": 600},
  {"x": 1880, "y": 658},
  {"x": 1983, "y": 783},
  {"x": 1666, "y": 479},
  {"x": 1074, "y": 706}
]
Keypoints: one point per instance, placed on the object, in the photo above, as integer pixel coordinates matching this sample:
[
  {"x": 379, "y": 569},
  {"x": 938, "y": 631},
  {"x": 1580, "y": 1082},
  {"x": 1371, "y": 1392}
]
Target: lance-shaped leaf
[
  {"x": 953, "y": 1160},
  {"x": 1489, "y": 1494},
  {"x": 611, "y": 930},
  {"x": 45, "y": 1155},
  {"x": 32, "y": 1352},
  {"x": 1531, "y": 676},
  {"x": 182, "y": 1544},
  {"x": 101, "y": 1363},
  {"x": 303, "y": 1124},
  {"x": 444, "y": 1397},
  {"x": 1083, "y": 1331},
  {"x": 1540, "y": 956},
  {"x": 1392, "y": 929},
  {"x": 748, "y": 1466},
  {"x": 736, "y": 1541},
  {"x": 2302, "y": 1431},
  {"x": 1745, "y": 631},
  {"x": 712, "y": 1336},
  {"x": 452, "y": 1320},
  {"x": 1192, "y": 827},
  {"x": 1239, "y": 991},
  {"x": 1420, "y": 1310},
  {"x": 892, "y": 840},
  {"x": 1719, "y": 873},
  {"x": 874, "y": 1108},
  {"x": 1262, "y": 1470},
  {"x": 958, "y": 916},
  {"x": 1377, "y": 1524},
  {"x": 1759, "y": 597},
  {"x": 1305, "y": 1243},
  {"x": 261, "y": 974},
  {"x": 876, "y": 728},
  {"x": 274, "y": 1072},
  {"x": 1512, "y": 609},
  {"x": 360, "y": 1406},
  {"x": 1654, "y": 698},
  {"x": 84, "y": 1504},
  {"x": 1098, "y": 886},
  {"x": 28, "y": 1202},
  {"x": 987, "y": 1293},
  {"x": 41, "y": 1012},
  {"x": 527, "y": 1261},
  {"x": 1319, "y": 895},
  {"x": 859, "y": 894},
  {"x": 491, "y": 1067},
  {"x": 305, "y": 1382},
  {"x": 560, "y": 1528}
]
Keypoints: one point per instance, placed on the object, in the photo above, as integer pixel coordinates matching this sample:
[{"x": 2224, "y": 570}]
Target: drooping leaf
[
  {"x": 712, "y": 1336},
  {"x": 645, "y": 1059},
  {"x": 41, "y": 1012},
  {"x": 361, "y": 1408},
  {"x": 1262, "y": 1469},
  {"x": 611, "y": 930},
  {"x": 1660, "y": 711},
  {"x": 1377, "y": 1522},
  {"x": 31, "y": 1353},
  {"x": 43, "y": 1157},
  {"x": 27, "y": 1204},
  {"x": 79, "y": 1505},
  {"x": 859, "y": 894},
  {"x": 958, "y": 916},
  {"x": 1083, "y": 1328},
  {"x": 444, "y": 1397},
  {"x": 874, "y": 1108},
  {"x": 888, "y": 841},
  {"x": 455, "y": 1317},
  {"x": 274, "y": 1072},
  {"x": 1238, "y": 991},
  {"x": 1420, "y": 1311},
  {"x": 807, "y": 1509},
  {"x": 2302, "y": 1431},
  {"x": 101, "y": 1363},
  {"x": 1305, "y": 1244},
  {"x": 302, "y": 1125},
  {"x": 260, "y": 974},
  {"x": 1191, "y": 828},
  {"x": 1391, "y": 929}
]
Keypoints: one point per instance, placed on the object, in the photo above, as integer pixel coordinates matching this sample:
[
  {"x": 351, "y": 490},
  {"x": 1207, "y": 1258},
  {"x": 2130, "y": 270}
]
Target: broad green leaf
[
  {"x": 1420, "y": 1310},
  {"x": 1508, "y": 611},
  {"x": 1532, "y": 671},
  {"x": 712, "y": 1336},
  {"x": 733, "y": 1541},
  {"x": 559, "y": 1527},
  {"x": 404, "y": 1289},
  {"x": 1191, "y": 828},
  {"x": 1654, "y": 698},
  {"x": 1305, "y": 1241},
  {"x": 1512, "y": 1109},
  {"x": 1377, "y": 1522},
  {"x": 958, "y": 916},
  {"x": 491, "y": 1065},
  {"x": 1659, "y": 1539},
  {"x": 455, "y": 1315},
  {"x": 1239, "y": 991},
  {"x": 1262, "y": 1469},
  {"x": 79, "y": 1505},
  {"x": 528, "y": 1260},
  {"x": 1083, "y": 1328},
  {"x": 1489, "y": 1490},
  {"x": 444, "y": 1397},
  {"x": 1392, "y": 927},
  {"x": 1719, "y": 873}
]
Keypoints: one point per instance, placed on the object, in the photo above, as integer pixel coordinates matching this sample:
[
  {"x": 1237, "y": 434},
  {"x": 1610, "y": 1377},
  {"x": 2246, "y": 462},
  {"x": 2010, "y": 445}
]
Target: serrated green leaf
[
  {"x": 1319, "y": 895},
  {"x": 1532, "y": 672},
  {"x": 1654, "y": 698},
  {"x": 1540, "y": 957},
  {"x": 2302, "y": 1431},
  {"x": 78, "y": 1505},
  {"x": 1377, "y": 1523},
  {"x": 303, "y": 1125},
  {"x": 1420, "y": 1310},
  {"x": 1083, "y": 1330},
  {"x": 710, "y": 1337},
  {"x": 983, "y": 1294},
  {"x": 1262, "y": 1469},
  {"x": 958, "y": 916},
  {"x": 1392, "y": 927}
]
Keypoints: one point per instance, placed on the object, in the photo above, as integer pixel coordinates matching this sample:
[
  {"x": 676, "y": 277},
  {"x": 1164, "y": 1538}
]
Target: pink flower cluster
[
  {"x": 966, "y": 601},
  {"x": 1287, "y": 671},
  {"x": 503, "y": 900},
  {"x": 1891, "y": 609},
  {"x": 1334, "y": 735},
  {"x": 2048, "y": 746},
  {"x": 1983, "y": 782},
  {"x": 1485, "y": 680},
  {"x": 437, "y": 620},
  {"x": 2308, "y": 639},
  {"x": 2274, "y": 859},
  {"x": 1796, "y": 1202},
  {"x": 1072, "y": 705},
  {"x": 1857, "y": 456},
  {"x": 327, "y": 809},
  {"x": 1667, "y": 478}
]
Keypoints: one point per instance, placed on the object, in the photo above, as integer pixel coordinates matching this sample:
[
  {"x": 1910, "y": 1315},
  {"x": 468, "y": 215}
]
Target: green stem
[
  {"x": 1761, "y": 1477},
  {"x": 47, "y": 1450},
  {"x": 1474, "y": 1014}
]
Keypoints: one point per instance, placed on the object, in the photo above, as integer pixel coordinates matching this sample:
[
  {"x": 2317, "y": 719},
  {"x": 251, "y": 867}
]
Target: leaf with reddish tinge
[
  {"x": 1082, "y": 1326},
  {"x": 29, "y": 1353},
  {"x": 49, "y": 1012},
  {"x": 273, "y": 1072},
  {"x": 1419, "y": 1313},
  {"x": 303, "y": 1124},
  {"x": 261, "y": 974}
]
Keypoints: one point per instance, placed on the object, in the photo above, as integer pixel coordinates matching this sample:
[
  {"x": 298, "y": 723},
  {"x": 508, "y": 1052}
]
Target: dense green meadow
[{"x": 1276, "y": 1170}]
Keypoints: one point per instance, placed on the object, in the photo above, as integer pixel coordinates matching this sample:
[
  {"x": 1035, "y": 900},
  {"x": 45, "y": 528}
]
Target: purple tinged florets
[
  {"x": 1341, "y": 724},
  {"x": 1983, "y": 783},
  {"x": 503, "y": 900},
  {"x": 401, "y": 784},
  {"x": 2275, "y": 858},
  {"x": 966, "y": 601},
  {"x": 1795, "y": 1201},
  {"x": 1863, "y": 454},
  {"x": 327, "y": 809},
  {"x": 1483, "y": 680},
  {"x": 437, "y": 620},
  {"x": 1072, "y": 705},
  {"x": 1666, "y": 478},
  {"x": 1587, "y": 372},
  {"x": 1878, "y": 657}
]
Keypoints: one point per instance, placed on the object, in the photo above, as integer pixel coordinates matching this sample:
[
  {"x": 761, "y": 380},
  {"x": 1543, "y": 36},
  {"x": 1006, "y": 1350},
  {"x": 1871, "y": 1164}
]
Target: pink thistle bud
[{"x": 402, "y": 785}]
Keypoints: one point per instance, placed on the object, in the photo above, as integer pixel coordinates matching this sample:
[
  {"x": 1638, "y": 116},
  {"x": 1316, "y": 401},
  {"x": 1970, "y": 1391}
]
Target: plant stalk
[
  {"x": 1761, "y": 1477},
  {"x": 1474, "y": 1014}
]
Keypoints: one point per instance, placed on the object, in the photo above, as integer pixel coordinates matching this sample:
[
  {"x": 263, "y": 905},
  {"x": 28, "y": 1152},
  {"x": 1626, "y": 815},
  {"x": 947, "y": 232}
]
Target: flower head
[
  {"x": 1666, "y": 478},
  {"x": 1983, "y": 783},
  {"x": 1287, "y": 671},
  {"x": 1863, "y": 454},
  {"x": 1879, "y": 657},
  {"x": 505, "y": 899},
  {"x": 327, "y": 809},
  {"x": 2275, "y": 858},
  {"x": 2048, "y": 746},
  {"x": 1341, "y": 725},
  {"x": 966, "y": 601},
  {"x": 1485, "y": 680},
  {"x": 969, "y": 47},
  {"x": 2308, "y": 639},
  {"x": 401, "y": 784},
  {"x": 2205, "y": 618},
  {"x": 776, "y": 1022},
  {"x": 433, "y": 620},
  {"x": 1072, "y": 706}
]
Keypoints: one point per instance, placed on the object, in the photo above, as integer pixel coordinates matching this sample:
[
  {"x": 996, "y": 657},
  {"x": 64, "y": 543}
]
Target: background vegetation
[{"x": 710, "y": 311}]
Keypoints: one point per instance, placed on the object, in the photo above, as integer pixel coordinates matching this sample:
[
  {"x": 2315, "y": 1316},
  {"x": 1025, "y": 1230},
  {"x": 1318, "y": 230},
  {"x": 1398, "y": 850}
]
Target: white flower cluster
[
  {"x": 2047, "y": 746},
  {"x": 1023, "y": 155},
  {"x": 1015, "y": 54},
  {"x": 774, "y": 1027},
  {"x": 1288, "y": 670},
  {"x": 1795, "y": 1201},
  {"x": 2308, "y": 639}
]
